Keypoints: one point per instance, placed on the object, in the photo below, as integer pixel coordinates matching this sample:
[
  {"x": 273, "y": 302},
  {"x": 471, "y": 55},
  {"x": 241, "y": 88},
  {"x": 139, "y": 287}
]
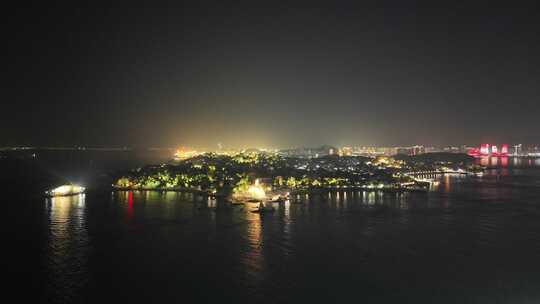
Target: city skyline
[{"x": 185, "y": 151}]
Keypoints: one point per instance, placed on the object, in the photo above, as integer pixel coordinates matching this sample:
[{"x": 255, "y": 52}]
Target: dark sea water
[{"x": 469, "y": 240}]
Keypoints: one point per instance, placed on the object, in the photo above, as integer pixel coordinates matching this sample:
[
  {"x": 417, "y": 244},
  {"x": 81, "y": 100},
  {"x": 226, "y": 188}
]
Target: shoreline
[{"x": 292, "y": 192}]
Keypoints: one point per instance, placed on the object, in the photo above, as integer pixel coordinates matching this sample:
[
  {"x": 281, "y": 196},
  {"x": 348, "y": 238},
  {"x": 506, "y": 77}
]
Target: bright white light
[
  {"x": 66, "y": 190},
  {"x": 257, "y": 192}
]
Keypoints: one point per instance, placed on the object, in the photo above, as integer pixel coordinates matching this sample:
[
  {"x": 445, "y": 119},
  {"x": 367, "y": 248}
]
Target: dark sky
[{"x": 276, "y": 75}]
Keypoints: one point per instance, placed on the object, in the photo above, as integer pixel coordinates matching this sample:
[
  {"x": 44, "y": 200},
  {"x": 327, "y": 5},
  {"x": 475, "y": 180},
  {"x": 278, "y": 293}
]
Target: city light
[{"x": 256, "y": 191}]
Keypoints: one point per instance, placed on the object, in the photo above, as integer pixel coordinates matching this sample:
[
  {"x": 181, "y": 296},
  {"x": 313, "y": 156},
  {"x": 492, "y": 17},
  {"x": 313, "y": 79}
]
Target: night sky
[{"x": 277, "y": 75}]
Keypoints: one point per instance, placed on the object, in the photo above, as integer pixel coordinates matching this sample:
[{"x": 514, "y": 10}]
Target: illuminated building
[
  {"x": 487, "y": 149},
  {"x": 518, "y": 149},
  {"x": 484, "y": 149},
  {"x": 474, "y": 152},
  {"x": 417, "y": 150},
  {"x": 256, "y": 191},
  {"x": 346, "y": 151},
  {"x": 309, "y": 152},
  {"x": 414, "y": 150},
  {"x": 388, "y": 162},
  {"x": 504, "y": 150},
  {"x": 185, "y": 153}
]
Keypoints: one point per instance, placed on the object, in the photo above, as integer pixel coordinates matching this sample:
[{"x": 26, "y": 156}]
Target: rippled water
[{"x": 470, "y": 240}]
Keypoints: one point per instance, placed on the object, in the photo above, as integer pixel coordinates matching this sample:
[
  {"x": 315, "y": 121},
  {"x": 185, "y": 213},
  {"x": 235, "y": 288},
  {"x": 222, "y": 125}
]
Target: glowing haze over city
[{"x": 274, "y": 76}]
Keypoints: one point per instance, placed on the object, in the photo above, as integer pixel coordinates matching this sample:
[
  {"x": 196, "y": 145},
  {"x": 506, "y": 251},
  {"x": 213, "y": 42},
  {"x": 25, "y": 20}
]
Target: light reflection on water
[
  {"x": 316, "y": 242},
  {"x": 504, "y": 162},
  {"x": 253, "y": 257},
  {"x": 68, "y": 248}
]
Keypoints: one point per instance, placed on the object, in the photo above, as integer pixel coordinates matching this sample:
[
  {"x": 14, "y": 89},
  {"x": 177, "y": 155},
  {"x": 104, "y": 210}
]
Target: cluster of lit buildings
[
  {"x": 351, "y": 151},
  {"x": 482, "y": 150},
  {"x": 504, "y": 150},
  {"x": 490, "y": 150},
  {"x": 185, "y": 152},
  {"x": 371, "y": 151}
]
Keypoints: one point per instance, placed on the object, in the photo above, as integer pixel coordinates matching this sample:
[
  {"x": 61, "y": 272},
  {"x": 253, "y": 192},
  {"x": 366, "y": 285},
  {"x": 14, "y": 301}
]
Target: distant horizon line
[{"x": 138, "y": 147}]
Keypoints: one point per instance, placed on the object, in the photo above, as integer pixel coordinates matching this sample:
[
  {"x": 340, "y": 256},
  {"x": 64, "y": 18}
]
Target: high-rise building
[
  {"x": 518, "y": 149},
  {"x": 417, "y": 150},
  {"x": 484, "y": 149},
  {"x": 414, "y": 150},
  {"x": 504, "y": 149}
]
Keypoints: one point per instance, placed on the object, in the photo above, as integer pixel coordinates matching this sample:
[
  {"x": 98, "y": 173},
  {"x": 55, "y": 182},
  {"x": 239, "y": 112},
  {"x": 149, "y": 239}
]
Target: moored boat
[{"x": 264, "y": 208}]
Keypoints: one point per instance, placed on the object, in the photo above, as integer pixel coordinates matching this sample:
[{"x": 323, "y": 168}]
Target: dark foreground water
[{"x": 470, "y": 240}]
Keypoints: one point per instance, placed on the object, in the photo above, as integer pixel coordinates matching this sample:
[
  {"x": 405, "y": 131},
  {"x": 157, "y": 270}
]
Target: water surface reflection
[
  {"x": 321, "y": 247},
  {"x": 68, "y": 247}
]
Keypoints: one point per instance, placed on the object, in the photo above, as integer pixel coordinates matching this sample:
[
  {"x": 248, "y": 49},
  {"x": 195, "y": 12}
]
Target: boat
[
  {"x": 280, "y": 198},
  {"x": 65, "y": 190},
  {"x": 263, "y": 208}
]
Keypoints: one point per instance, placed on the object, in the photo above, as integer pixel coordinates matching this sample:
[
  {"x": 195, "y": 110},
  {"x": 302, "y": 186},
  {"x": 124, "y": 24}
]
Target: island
[{"x": 256, "y": 175}]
